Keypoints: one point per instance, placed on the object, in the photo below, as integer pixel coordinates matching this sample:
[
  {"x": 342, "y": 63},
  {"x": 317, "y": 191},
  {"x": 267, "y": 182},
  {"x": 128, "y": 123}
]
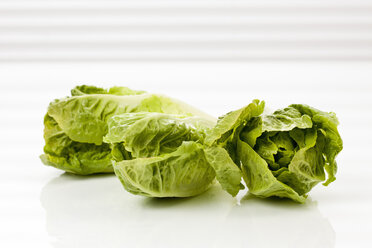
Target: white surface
[{"x": 42, "y": 207}]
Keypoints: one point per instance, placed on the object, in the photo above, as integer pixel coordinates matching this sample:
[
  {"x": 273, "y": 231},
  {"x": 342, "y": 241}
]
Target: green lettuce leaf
[
  {"x": 182, "y": 173},
  {"x": 227, "y": 172},
  {"x": 65, "y": 154},
  {"x": 232, "y": 122},
  {"x": 228, "y": 127},
  {"x": 146, "y": 134},
  {"x": 327, "y": 124}
]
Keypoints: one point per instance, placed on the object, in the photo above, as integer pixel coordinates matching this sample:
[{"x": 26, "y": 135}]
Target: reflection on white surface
[
  {"x": 276, "y": 223},
  {"x": 97, "y": 212}
]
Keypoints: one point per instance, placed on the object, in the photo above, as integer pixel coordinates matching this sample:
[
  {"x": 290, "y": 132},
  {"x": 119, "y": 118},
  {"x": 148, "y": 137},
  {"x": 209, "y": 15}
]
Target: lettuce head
[
  {"x": 283, "y": 154},
  {"x": 74, "y": 126},
  {"x": 168, "y": 157}
]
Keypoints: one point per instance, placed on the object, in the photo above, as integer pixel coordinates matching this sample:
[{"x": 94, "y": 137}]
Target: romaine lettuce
[
  {"x": 283, "y": 154},
  {"x": 169, "y": 158},
  {"x": 75, "y": 126}
]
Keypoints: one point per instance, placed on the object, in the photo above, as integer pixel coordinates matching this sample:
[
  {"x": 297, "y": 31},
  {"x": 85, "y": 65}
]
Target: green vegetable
[
  {"x": 283, "y": 154},
  {"x": 184, "y": 172},
  {"x": 161, "y": 147},
  {"x": 75, "y": 126},
  {"x": 146, "y": 134},
  {"x": 168, "y": 155}
]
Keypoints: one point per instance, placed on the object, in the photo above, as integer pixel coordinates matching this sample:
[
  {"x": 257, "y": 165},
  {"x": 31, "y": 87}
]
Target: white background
[
  {"x": 290, "y": 52},
  {"x": 142, "y": 30}
]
